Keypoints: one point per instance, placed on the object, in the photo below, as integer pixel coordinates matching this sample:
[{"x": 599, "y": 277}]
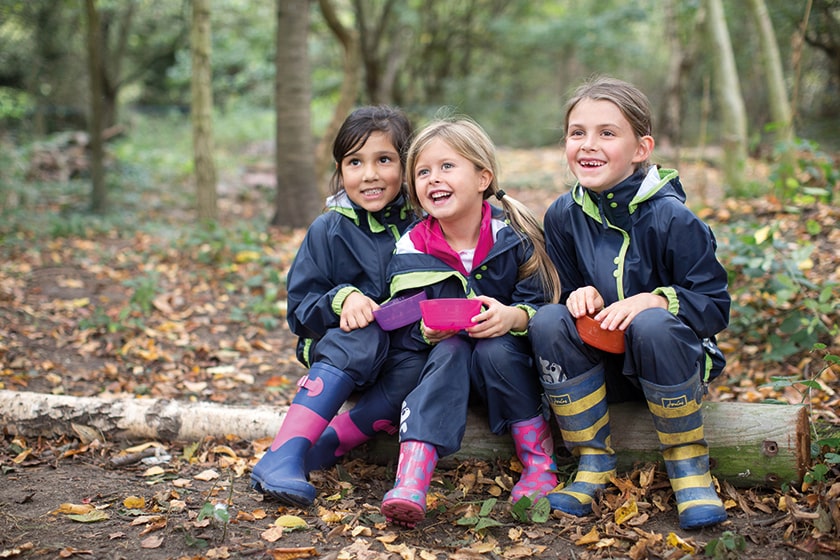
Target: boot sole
[
  {"x": 290, "y": 497},
  {"x": 402, "y": 512}
]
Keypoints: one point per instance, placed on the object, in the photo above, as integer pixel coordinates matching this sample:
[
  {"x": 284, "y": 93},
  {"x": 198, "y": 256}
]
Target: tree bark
[
  {"x": 99, "y": 191},
  {"x": 733, "y": 115},
  {"x": 349, "y": 86},
  {"x": 750, "y": 444},
  {"x": 298, "y": 199},
  {"x": 772, "y": 61},
  {"x": 202, "y": 112}
]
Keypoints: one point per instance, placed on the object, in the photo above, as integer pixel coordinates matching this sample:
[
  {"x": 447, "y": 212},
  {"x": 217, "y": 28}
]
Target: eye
[
  {"x": 385, "y": 159},
  {"x": 353, "y": 162},
  {"x": 447, "y": 165},
  {"x": 575, "y": 132},
  {"x": 608, "y": 133},
  {"x": 422, "y": 172}
]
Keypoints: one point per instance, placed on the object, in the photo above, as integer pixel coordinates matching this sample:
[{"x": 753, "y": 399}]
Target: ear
[
  {"x": 644, "y": 149},
  {"x": 484, "y": 179}
]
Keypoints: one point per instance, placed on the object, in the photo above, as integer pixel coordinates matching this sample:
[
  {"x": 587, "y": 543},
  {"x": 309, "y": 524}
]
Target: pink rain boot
[
  {"x": 534, "y": 447},
  {"x": 405, "y": 504}
]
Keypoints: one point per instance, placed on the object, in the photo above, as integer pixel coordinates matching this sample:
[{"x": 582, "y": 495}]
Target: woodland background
[{"x": 160, "y": 160}]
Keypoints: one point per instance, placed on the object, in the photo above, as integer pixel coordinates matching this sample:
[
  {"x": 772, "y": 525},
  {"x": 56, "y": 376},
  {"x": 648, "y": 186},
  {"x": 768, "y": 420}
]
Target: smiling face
[
  {"x": 601, "y": 146},
  {"x": 372, "y": 175},
  {"x": 448, "y": 185}
]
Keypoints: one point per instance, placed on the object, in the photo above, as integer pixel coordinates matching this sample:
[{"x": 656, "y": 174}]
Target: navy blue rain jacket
[
  {"x": 345, "y": 249},
  {"x": 640, "y": 237}
]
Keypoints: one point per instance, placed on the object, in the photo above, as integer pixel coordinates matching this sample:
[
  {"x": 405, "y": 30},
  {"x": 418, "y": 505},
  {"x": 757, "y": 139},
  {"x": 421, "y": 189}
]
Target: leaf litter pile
[{"x": 200, "y": 317}]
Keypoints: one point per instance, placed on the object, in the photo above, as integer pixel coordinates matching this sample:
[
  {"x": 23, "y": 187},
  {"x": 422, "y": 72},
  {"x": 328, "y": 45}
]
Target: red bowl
[
  {"x": 590, "y": 332},
  {"x": 449, "y": 314},
  {"x": 399, "y": 312}
]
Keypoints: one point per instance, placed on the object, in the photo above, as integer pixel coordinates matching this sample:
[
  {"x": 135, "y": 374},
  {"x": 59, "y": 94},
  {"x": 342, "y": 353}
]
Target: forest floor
[{"x": 142, "y": 316}]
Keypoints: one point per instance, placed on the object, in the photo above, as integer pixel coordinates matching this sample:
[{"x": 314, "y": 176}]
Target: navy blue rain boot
[
  {"x": 280, "y": 472},
  {"x": 372, "y": 413},
  {"x": 580, "y": 407},
  {"x": 678, "y": 419}
]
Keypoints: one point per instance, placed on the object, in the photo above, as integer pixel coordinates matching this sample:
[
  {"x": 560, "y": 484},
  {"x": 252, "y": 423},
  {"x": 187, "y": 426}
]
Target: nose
[
  {"x": 370, "y": 172},
  {"x": 589, "y": 143}
]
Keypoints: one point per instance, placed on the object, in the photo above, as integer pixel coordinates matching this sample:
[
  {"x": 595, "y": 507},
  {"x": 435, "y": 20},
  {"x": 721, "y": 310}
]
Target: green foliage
[
  {"x": 728, "y": 546},
  {"x": 804, "y": 172},
  {"x": 14, "y": 104},
  {"x": 824, "y": 450},
  {"x": 480, "y": 522},
  {"x": 145, "y": 289},
  {"x": 527, "y": 511},
  {"x": 774, "y": 303}
]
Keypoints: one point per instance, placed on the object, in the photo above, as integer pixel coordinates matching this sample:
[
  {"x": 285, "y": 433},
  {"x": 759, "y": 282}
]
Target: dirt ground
[{"x": 65, "y": 497}]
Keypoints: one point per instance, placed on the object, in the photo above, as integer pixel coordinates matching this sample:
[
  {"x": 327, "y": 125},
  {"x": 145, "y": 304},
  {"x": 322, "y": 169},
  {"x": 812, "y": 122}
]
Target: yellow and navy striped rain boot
[
  {"x": 580, "y": 406},
  {"x": 679, "y": 424}
]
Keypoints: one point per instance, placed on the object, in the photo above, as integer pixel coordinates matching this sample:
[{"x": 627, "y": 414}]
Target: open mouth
[
  {"x": 591, "y": 163},
  {"x": 439, "y": 196},
  {"x": 372, "y": 193}
]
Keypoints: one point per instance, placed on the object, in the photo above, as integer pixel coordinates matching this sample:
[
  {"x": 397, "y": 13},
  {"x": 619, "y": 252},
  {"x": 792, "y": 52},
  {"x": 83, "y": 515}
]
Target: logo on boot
[
  {"x": 676, "y": 402},
  {"x": 560, "y": 399}
]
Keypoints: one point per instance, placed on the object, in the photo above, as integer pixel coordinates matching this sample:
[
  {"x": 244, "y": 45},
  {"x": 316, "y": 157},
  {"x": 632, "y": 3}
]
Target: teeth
[{"x": 439, "y": 195}]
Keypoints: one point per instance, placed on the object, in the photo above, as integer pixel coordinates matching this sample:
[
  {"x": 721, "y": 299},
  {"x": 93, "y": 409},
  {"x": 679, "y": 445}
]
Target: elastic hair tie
[{"x": 499, "y": 194}]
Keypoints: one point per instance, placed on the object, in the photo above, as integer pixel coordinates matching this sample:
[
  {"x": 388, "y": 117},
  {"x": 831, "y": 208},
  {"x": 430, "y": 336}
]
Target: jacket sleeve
[
  {"x": 560, "y": 245},
  {"x": 310, "y": 284},
  {"x": 698, "y": 293}
]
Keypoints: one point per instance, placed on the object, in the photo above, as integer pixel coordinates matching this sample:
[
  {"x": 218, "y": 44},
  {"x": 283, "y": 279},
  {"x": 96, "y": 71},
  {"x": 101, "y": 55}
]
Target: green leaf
[
  {"x": 90, "y": 517},
  {"x": 541, "y": 511},
  {"x": 486, "y": 522},
  {"x": 487, "y": 506}
]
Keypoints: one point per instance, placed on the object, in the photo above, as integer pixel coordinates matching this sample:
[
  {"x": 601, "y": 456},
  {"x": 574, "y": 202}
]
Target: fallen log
[{"x": 750, "y": 444}]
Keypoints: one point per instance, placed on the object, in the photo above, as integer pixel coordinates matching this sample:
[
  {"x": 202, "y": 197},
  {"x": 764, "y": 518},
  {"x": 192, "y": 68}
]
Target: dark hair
[
  {"x": 357, "y": 128},
  {"x": 629, "y": 99}
]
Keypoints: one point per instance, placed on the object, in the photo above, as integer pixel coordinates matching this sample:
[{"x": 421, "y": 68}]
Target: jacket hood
[
  {"x": 633, "y": 191},
  {"x": 342, "y": 204}
]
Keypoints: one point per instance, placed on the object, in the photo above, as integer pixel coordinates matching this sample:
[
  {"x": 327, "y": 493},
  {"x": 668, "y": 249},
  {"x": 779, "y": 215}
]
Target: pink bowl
[
  {"x": 449, "y": 314},
  {"x": 591, "y": 333},
  {"x": 399, "y": 312}
]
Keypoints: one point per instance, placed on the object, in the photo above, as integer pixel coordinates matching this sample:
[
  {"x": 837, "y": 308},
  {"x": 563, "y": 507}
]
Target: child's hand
[
  {"x": 497, "y": 319},
  {"x": 434, "y": 336},
  {"x": 357, "y": 311},
  {"x": 584, "y": 301},
  {"x": 620, "y": 314}
]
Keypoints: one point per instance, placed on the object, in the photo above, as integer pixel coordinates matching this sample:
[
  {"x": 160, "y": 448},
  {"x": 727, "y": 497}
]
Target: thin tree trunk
[
  {"x": 298, "y": 199},
  {"x": 202, "y": 112},
  {"x": 99, "y": 192},
  {"x": 349, "y": 85},
  {"x": 772, "y": 61},
  {"x": 733, "y": 115}
]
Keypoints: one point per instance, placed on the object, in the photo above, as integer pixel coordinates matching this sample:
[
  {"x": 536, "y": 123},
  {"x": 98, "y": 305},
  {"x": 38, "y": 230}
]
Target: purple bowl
[{"x": 399, "y": 312}]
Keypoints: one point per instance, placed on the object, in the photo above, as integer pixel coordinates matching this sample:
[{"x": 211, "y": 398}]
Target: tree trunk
[
  {"x": 750, "y": 444},
  {"x": 780, "y": 110},
  {"x": 349, "y": 87},
  {"x": 733, "y": 116},
  {"x": 202, "y": 112},
  {"x": 298, "y": 199},
  {"x": 99, "y": 192}
]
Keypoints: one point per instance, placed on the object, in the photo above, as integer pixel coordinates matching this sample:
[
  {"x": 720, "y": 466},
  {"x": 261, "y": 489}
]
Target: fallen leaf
[
  {"x": 290, "y": 522},
  {"x": 135, "y": 502},
  {"x": 292, "y": 553},
  {"x": 207, "y": 475},
  {"x": 153, "y": 541}
]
